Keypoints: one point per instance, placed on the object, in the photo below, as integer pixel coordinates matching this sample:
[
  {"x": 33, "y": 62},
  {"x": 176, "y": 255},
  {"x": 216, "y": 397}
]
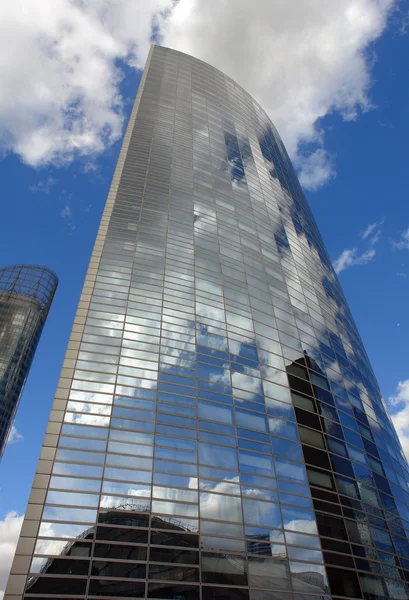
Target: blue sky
[{"x": 50, "y": 215}]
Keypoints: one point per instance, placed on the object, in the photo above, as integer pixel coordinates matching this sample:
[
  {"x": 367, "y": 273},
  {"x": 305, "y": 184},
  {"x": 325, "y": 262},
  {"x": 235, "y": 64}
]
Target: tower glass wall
[
  {"x": 217, "y": 431},
  {"x": 26, "y": 293}
]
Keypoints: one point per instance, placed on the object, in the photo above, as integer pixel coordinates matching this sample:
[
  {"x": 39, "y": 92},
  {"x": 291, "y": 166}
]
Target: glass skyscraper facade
[
  {"x": 26, "y": 293},
  {"x": 217, "y": 431}
]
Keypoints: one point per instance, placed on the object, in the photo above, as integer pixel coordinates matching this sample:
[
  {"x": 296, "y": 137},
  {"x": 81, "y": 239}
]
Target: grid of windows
[
  {"x": 26, "y": 293},
  {"x": 224, "y": 436}
]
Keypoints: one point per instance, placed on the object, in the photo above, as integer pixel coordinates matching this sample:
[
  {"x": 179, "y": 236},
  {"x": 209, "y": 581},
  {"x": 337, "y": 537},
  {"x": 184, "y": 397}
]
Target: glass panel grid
[{"x": 224, "y": 436}]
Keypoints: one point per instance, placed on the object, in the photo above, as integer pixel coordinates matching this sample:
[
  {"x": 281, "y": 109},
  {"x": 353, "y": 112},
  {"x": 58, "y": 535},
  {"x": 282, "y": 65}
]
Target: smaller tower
[{"x": 26, "y": 293}]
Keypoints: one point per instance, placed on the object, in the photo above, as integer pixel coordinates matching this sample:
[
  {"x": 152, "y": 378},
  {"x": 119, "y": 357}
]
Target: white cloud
[
  {"x": 301, "y": 60},
  {"x": 14, "y": 436},
  {"x": 368, "y": 231},
  {"x": 43, "y": 185},
  {"x": 375, "y": 229},
  {"x": 403, "y": 242},
  {"x": 400, "y": 418},
  {"x": 9, "y": 532},
  {"x": 315, "y": 170},
  {"x": 66, "y": 212},
  {"x": 350, "y": 257}
]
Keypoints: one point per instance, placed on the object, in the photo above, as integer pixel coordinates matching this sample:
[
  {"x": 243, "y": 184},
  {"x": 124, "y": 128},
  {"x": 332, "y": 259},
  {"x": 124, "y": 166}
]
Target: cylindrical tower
[
  {"x": 217, "y": 431},
  {"x": 26, "y": 293}
]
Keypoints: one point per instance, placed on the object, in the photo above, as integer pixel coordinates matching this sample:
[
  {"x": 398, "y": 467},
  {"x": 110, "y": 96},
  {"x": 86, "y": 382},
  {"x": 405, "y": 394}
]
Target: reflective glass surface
[{"x": 224, "y": 436}]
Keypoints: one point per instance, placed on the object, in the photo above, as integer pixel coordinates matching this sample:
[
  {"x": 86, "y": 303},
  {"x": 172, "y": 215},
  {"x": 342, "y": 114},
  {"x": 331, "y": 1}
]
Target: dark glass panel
[
  {"x": 320, "y": 478},
  {"x": 338, "y": 560},
  {"x": 170, "y": 591},
  {"x": 331, "y": 527},
  {"x": 303, "y": 402},
  {"x": 173, "y": 573},
  {"x": 343, "y": 583},
  {"x": 173, "y": 556},
  {"x": 110, "y": 587},
  {"x": 317, "y": 458},
  {"x": 323, "y": 395},
  {"x": 120, "y": 551},
  {"x": 327, "y": 507},
  {"x": 300, "y": 385},
  {"x": 298, "y": 370},
  {"x": 117, "y": 569},
  {"x": 270, "y": 573},
  {"x": 224, "y": 569},
  {"x": 311, "y": 437},
  {"x": 364, "y": 552},
  {"x": 359, "y": 533},
  {"x": 373, "y": 588},
  {"x": 224, "y": 593},
  {"x": 66, "y": 566},
  {"x": 122, "y": 534},
  {"x": 308, "y": 419},
  {"x": 325, "y": 495},
  {"x": 124, "y": 518},
  {"x": 170, "y": 538},
  {"x": 335, "y": 546},
  {"x": 342, "y": 466},
  {"x": 56, "y": 585}
]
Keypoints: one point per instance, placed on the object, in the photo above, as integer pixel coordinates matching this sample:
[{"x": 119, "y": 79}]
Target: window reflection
[{"x": 218, "y": 359}]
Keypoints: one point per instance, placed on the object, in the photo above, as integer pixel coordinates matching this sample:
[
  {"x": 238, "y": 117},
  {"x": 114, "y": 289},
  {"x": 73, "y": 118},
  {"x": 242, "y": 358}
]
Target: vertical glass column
[{"x": 26, "y": 293}]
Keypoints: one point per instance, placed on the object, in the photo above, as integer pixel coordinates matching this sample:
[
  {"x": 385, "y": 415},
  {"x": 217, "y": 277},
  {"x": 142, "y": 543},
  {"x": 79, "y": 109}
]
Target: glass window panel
[
  {"x": 127, "y": 475},
  {"x": 73, "y": 483},
  {"x": 287, "y": 469},
  {"x": 170, "y": 493},
  {"x": 175, "y": 508},
  {"x": 56, "y": 585},
  {"x": 218, "y": 507},
  {"x": 283, "y": 428},
  {"x": 226, "y": 570},
  {"x": 118, "y": 569},
  {"x": 174, "y": 467},
  {"x": 118, "y": 460},
  {"x": 173, "y": 591},
  {"x": 313, "y": 575},
  {"x": 80, "y": 456},
  {"x": 81, "y": 515},
  {"x": 261, "y": 513},
  {"x": 85, "y": 443},
  {"x": 72, "y": 499},
  {"x": 291, "y": 450},
  {"x": 298, "y": 519},
  {"x": 270, "y": 573},
  {"x": 216, "y": 486},
  {"x": 168, "y": 555},
  {"x": 124, "y": 502},
  {"x": 117, "y": 587},
  {"x": 120, "y": 551},
  {"x": 217, "y": 456},
  {"x": 256, "y": 463},
  {"x": 135, "y": 449},
  {"x": 251, "y": 420},
  {"x": 63, "y": 530},
  {"x": 215, "y": 412},
  {"x": 224, "y": 593},
  {"x": 115, "y": 487}
]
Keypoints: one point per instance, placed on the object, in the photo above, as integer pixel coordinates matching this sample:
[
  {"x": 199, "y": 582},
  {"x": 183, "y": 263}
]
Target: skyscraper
[
  {"x": 217, "y": 430},
  {"x": 26, "y": 293}
]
